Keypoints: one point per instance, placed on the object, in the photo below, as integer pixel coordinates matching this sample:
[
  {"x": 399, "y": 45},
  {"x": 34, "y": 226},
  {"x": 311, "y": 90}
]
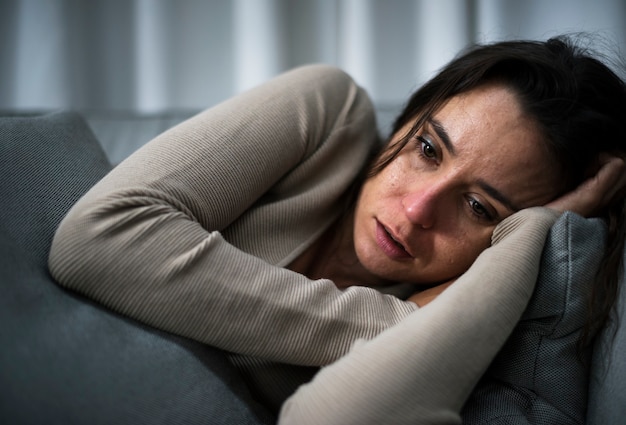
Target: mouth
[{"x": 390, "y": 244}]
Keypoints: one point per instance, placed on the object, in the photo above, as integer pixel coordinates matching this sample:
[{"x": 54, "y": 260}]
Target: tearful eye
[
  {"x": 428, "y": 150},
  {"x": 478, "y": 210}
]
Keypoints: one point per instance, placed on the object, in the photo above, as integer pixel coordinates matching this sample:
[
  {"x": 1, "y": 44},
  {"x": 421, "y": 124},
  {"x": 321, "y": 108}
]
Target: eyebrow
[
  {"x": 499, "y": 196},
  {"x": 442, "y": 134}
]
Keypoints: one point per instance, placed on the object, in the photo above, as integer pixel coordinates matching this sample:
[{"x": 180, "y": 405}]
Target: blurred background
[{"x": 150, "y": 56}]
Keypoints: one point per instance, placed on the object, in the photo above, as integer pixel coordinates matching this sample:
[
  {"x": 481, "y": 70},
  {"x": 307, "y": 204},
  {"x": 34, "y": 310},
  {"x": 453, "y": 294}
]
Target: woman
[{"x": 258, "y": 226}]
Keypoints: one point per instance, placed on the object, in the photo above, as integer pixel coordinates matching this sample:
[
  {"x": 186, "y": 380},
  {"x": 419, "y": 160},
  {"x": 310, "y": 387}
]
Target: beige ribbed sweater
[{"x": 191, "y": 233}]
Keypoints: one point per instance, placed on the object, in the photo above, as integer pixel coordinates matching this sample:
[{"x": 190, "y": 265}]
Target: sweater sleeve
[
  {"x": 149, "y": 240},
  {"x": 422, "y": 370}
]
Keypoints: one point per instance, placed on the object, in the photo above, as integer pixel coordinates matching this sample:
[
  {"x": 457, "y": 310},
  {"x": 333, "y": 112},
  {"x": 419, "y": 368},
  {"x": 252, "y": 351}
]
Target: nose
[{"x": 422, "y": 205}]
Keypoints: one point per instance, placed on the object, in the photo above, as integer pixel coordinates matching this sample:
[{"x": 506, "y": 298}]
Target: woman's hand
[{"x": 598, "y": 191}]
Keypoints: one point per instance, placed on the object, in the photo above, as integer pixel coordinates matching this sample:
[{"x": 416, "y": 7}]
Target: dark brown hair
[{"x": 580, "y": 106}]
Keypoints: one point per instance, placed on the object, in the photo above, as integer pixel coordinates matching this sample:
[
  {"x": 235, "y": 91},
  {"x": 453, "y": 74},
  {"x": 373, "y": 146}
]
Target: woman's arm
[
  {"x": 422, "y": 370},
  {"x": 155, "y": 239}
]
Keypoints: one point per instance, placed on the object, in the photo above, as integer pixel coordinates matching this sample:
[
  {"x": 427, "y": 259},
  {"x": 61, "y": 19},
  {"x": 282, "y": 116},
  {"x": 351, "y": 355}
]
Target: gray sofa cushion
[
  {"x": 63, "y": 359},
  {"x": 539, "y": 377},
  {"x": 607, "y": 386}
]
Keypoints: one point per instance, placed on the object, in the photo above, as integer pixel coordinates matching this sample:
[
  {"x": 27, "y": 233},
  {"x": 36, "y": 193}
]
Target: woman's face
[{"x": 430, "y": 212}]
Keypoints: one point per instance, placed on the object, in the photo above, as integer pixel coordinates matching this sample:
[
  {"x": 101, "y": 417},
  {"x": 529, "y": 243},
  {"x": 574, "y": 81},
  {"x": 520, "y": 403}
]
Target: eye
[
  {"x": 426, "y": 148},
  {"x": 479, "y": 210}
]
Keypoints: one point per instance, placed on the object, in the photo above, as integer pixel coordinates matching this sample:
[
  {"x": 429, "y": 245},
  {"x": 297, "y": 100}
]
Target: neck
[{"x": 333, "y": 257}]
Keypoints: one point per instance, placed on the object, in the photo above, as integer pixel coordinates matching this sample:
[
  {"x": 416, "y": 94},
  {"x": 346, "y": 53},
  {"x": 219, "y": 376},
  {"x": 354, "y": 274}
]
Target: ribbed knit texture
[
  {"x": 422, "y": 370},
  {"x": 187, "y": 235}
]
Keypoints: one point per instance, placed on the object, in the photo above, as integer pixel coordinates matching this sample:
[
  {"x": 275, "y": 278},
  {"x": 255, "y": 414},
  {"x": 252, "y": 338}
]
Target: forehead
[{"x": 491, "y": 110}]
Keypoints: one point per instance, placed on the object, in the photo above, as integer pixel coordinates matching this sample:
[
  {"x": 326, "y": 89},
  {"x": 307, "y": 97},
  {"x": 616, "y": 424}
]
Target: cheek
[
  {"x": 384, "y": 185},
  {"x": 398, "y": 179},
  {"x": 459, "y": 252}
]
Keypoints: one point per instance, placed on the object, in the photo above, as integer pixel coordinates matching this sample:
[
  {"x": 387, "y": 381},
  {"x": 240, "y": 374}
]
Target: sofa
[{"x": 66, "y": 360}]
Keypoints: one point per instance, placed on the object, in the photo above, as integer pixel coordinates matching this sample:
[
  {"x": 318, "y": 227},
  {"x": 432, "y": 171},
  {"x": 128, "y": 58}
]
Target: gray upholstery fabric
[
  {"x": 539, "y": 376},
  {"x": 122, "y": 133},
  {"x": 607, "y": 386},
  {"x": 63, "y": 359}
]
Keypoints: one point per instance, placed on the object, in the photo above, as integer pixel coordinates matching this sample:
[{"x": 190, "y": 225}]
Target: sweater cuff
[{"x": 542, "y": 219}]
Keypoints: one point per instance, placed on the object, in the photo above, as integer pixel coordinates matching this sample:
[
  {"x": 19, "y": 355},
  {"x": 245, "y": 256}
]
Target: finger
[
  {"x": 597, "y": 191},
  {"x": 601, "y": 189},
  {"x": 611, "y": 179}
]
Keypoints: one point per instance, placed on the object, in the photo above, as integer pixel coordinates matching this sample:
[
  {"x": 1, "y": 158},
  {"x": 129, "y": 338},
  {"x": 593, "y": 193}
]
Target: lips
[{"x": 393, "y": 248}]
